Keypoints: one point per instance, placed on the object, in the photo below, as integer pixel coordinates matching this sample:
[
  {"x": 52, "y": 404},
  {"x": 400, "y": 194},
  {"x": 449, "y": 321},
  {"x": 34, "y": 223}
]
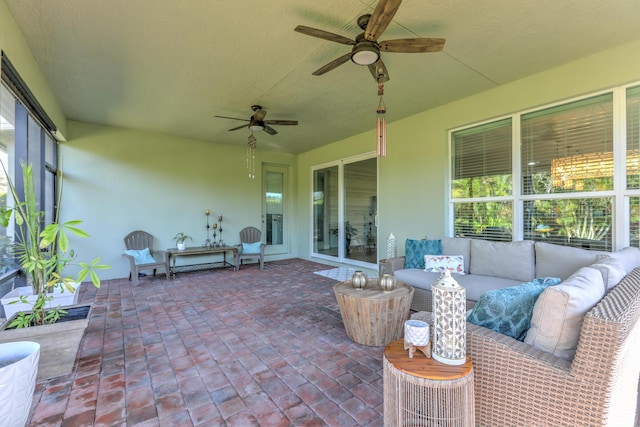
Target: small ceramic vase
[
  {"x": 387, "y": 282},
  {"x": 359, "y": 280},
  {"x": 416, "y": 332}
]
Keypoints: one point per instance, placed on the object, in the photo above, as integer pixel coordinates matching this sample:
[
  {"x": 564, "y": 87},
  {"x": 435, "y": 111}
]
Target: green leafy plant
[
  {"x": 181, "y": 237},
  {"x": 43, "y": 252},
  {"x": 349, "y": 230}
]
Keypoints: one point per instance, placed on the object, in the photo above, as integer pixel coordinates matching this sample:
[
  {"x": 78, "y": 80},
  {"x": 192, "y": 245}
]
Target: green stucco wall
[{"x": 119, "y": 180}]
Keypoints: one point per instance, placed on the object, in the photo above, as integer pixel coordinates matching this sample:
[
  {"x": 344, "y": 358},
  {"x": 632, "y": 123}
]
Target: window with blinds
[
  {"x": 481, "y": 178},
  {"x": 567, "y": 193},
  {"x": 482, "y": 161},
  {"x": 633, "y": 137},
  {"x": 568, "y": 148}
]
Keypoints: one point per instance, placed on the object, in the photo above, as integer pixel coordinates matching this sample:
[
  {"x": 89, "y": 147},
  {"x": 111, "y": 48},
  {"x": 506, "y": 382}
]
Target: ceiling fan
[
  {"x": 366, "y": 47},
  {"x": 257, "y": 121}
]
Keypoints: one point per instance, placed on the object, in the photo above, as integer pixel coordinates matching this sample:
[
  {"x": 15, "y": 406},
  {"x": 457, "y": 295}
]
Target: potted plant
[
  {"x": 349, "y": 232},
  {"x": 180, "y": 239},
  {"x": 43, "y": 253},
  {"x": 18, "y": 369}
]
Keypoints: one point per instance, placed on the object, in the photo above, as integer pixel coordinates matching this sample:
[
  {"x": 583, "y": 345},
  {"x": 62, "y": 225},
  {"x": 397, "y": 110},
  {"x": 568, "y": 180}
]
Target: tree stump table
[{"x": 373, "y": 317}]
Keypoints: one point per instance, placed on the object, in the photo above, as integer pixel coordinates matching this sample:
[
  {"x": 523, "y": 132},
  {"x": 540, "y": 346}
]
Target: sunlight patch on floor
[{"x": 341, "y": 274}]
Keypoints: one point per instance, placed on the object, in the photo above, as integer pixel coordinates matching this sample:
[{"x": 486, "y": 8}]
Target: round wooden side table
[
  {"x": 422, "y": 391},
  {"x": 373, "y": 317}
]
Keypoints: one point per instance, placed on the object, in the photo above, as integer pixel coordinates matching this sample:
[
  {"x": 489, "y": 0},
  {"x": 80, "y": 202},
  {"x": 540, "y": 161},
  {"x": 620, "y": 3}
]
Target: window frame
[
  {"x": 35, "y": 142},
  {"x": 620, "y": 194}
]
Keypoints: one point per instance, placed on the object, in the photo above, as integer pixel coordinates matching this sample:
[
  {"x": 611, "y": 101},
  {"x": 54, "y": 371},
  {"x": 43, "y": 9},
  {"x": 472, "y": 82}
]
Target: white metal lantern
[
  {"x": 392, "y": 247},
  {"x": 449, "y": 320}
]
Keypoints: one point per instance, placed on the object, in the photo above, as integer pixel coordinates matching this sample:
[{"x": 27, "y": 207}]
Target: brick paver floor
[{"x": 217, "y": 348}]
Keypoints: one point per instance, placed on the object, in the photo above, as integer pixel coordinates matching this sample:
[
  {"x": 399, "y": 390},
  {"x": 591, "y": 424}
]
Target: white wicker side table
[{"x": 425, "y": 392}]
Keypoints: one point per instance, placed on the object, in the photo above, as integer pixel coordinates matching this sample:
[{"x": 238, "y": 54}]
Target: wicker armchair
[
  {"x": 515, "y": 384},
  {"x": 138, "y": 240}
]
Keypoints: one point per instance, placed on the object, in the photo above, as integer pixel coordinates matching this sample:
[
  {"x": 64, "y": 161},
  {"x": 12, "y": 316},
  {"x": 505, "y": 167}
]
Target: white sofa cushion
[
  {"x": 457, "y": 246},
  {"x": 475, "y": 285},
  {"x": 612, "y": 270},
  {"x": 559, "y": 311},
  {"x": 509, "y": 260},
  {"x": 629, "y": 258},
  {"x": 562, "y": 261}
]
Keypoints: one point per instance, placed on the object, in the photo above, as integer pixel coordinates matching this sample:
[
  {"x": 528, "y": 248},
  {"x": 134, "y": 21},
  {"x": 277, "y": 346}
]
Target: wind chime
[
  {"x": 381, "y": 126},
  {"x": 251, "y": 156}
]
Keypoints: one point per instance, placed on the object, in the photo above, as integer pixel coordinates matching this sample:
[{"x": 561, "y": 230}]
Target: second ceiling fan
[
  {"x": 257, "y": 121},
  {"x": 366, "y": 47}
]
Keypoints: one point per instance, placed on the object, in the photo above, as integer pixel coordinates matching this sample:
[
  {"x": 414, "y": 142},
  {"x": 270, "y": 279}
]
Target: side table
[
  {"x": 422, "y": 391},
  {"x": 371, "y": 316}
]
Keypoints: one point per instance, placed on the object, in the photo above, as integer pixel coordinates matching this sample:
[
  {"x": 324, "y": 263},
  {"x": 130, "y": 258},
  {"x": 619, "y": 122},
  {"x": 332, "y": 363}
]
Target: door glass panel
[
  {"x": 325, "y": 211},
  {"x": 360, "y": 209},
  {"x": 275, "y": 208}
]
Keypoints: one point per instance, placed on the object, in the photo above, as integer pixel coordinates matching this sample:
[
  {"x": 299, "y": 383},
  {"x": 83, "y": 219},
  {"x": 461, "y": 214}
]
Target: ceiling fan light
[
  {"x": 365, "y": 54},
  {"x": 257, "y": 126}
]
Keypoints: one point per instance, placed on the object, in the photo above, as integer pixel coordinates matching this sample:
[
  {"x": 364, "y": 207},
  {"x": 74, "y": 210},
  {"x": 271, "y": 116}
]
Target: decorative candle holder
[
  {"x": 449, "y": 320},
  {"x": 208, "y": 243},
  {"x": 220, "y": 242},
  {"x": 359, "y": 280},
  {"x": 214, "y": 244},
  {"x": 387, "y": 282},
  {"x": 392, "y": 247},
  {"x": 416, "y": 337}
]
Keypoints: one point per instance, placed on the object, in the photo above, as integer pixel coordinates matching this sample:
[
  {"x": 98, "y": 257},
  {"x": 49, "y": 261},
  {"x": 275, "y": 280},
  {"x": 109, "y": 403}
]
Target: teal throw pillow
[
  {"x": 251, "y": 248},
  {"x": 142, "y": 256},
  {"x": 509, "y": 310},
  {"x": 415, "y": 250}
]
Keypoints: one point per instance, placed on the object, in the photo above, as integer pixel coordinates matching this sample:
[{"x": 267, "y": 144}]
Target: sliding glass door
[{"x": 345, "y": 210}]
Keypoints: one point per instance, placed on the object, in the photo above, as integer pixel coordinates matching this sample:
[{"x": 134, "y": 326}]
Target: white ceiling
[{"x": 169, "y": 66}]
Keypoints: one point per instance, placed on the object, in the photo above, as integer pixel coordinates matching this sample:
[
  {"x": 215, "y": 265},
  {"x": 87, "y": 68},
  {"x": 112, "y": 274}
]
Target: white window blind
[
  {"x": 481, "y": 161},
  {"x": 568, "y": 148},
  {"x": 633, "y": 137}
]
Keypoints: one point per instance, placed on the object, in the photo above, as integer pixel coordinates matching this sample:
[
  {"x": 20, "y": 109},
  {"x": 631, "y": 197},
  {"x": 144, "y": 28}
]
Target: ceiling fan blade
[
  {"x": 281, "y": 122},
  {"x": 268, "y": 129},
  {"x": 232, "y": 118},
  {"x": 333, "y": 64},
  {"x": 381, "y": 18},
  {"x": 240, "y": 127},
  {"x": 377, "y": 69},
  {"x": 412, "y": 45},
  {"x": 321, "y": 34}
]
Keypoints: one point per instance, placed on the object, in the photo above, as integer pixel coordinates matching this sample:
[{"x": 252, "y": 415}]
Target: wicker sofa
[
  {"x": 517, "y": 384},
  {"x": 492, "y": 265}
]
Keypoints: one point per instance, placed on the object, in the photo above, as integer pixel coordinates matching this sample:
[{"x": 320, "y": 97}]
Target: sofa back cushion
[
  {"x": 511, "y": 260},
  {"x": 558, "y": 313},
  {"x": 629, "y": 258},
  {"x": 562, "y": 261},
  {"x": 612, "y": 270},
  {"x": 457, "y": 246}
]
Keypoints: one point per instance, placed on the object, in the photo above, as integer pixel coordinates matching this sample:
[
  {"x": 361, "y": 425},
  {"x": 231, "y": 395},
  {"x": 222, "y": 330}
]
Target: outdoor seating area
[{"x": 355, "y": 214}]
